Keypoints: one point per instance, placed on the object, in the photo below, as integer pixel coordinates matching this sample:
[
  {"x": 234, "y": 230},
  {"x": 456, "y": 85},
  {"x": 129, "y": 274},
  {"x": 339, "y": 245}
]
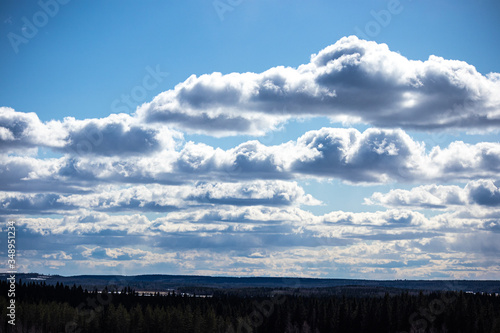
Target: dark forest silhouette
[{"x": 58, "y": 308}]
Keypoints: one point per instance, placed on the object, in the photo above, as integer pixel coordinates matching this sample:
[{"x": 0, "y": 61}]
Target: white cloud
[
  {"x": 199, "y": 209},
  {"x": 117, "y": 134},
  {"x": 159, "y": 198},
  {"x": 391, "y": 218},
  {"x": 20, "y": 130},
  {"x": 352, "y": 80},
  {"x": 253, "y": 240},
  {"x": 484, "y": 192},
  {"x": 274, "y": 193},
  {"x": 373, "y": 156}
]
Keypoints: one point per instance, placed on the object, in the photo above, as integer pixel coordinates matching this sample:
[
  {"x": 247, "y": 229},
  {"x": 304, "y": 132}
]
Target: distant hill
[{"x": 185, "y": 282}]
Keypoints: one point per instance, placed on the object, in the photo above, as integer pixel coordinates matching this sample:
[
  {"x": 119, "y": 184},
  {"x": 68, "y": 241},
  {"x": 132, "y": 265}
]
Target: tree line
[{"x": 58, "y": 308}]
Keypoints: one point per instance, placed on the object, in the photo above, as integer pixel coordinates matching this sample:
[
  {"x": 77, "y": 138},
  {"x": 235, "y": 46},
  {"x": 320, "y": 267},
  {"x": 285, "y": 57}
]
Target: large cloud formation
[
  {"x": 281, "y": 241},
  {"x": 125, "y": 192},
  {"x": 372, "y": 156},
  {"x": 353, "y": 80}
]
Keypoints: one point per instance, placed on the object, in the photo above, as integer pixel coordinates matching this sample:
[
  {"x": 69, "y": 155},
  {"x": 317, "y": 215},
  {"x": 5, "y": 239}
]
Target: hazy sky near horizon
[{"x": 350, "y": 138}]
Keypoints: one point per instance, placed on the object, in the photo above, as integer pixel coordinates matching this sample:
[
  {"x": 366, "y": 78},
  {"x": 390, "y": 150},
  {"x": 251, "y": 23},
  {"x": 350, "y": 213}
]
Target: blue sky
[{"x": 252, "y": 137}]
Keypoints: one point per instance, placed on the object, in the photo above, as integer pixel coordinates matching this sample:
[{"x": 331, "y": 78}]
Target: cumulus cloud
[
  {"x": 115, "y": 135},
  {"x": 483, "y": 192},
  {"x": 388, "y": 218},
  {"x": 354, "y": 80},
  {"x": 30, "y": 174},
  {"x": 25, "y": 130},
  {"x": 372, "y": 156},
  {"x": 269, "y": 193},
  {"x": 159, "y": 198},
  {"x": 39, "y": 203}
]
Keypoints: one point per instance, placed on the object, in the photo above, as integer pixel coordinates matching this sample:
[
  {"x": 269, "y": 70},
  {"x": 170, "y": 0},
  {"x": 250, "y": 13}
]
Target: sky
[{"x": 333, "y": 139}]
